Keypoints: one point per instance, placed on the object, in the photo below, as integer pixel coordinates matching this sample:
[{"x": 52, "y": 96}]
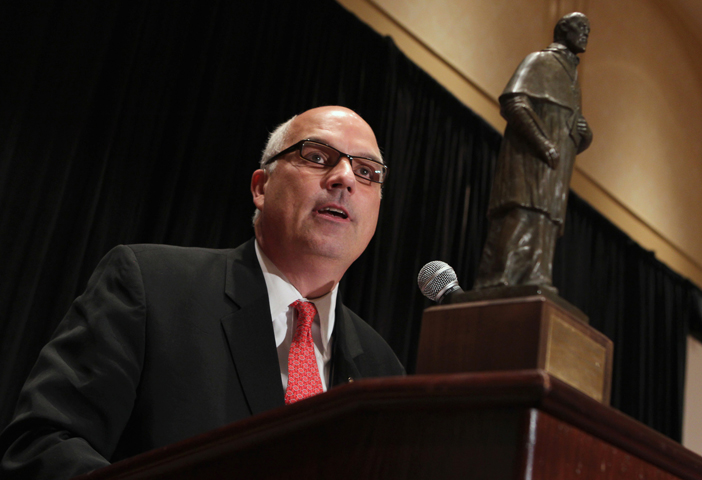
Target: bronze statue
[{"x": 545, "y": 130}]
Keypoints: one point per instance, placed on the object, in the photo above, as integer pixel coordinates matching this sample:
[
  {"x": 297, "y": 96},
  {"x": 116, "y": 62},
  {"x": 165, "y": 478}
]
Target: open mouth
[{"x": 334, "y": 212}]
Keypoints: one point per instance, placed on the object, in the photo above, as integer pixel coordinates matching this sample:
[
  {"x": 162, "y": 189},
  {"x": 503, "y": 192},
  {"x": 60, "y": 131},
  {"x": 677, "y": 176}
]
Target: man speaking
[{"x": 169, "y": 342}]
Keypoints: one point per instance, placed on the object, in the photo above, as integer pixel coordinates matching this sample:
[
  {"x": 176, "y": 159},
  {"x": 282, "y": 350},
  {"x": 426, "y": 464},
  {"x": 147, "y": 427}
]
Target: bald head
[
  {"x": 287, "y": 133},
  {"x": 326, "y": 120}
]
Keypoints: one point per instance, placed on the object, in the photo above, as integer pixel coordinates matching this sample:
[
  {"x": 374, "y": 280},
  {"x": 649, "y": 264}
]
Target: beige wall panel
[
  {"x": 641, "y": 94},
  {"x": 692, "y": 423},
  {"x": 643, "y": 101},
  {"x": 485, "y": 40}
]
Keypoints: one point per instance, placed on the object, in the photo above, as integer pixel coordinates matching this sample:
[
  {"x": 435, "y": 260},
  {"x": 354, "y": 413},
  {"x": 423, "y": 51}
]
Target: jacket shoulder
[
  {"x": 172, "y": 252},
  {"x": 169, "y": 259}
]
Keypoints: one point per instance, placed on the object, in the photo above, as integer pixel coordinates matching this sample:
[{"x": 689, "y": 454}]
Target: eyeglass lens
[{"x": 324, "y": 155}]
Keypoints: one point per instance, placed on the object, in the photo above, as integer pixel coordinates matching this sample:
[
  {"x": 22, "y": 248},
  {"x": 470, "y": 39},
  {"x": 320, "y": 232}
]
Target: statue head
[{"x": 572, "y": 31}]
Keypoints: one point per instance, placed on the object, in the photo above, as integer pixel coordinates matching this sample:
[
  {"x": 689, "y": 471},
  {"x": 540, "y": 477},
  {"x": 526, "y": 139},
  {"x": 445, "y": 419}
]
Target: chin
[{"x": 327, "y": 248}]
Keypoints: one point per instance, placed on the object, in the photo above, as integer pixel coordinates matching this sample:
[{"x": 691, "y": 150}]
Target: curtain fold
[{"x": 127, "y": 123}]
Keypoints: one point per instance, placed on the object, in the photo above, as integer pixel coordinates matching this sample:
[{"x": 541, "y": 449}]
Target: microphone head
[{"x": 436, "y": 279}]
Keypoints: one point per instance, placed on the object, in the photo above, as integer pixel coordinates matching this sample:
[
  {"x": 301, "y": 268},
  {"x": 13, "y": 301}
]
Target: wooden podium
[
  {"x": 527, "y": 418},
  {"x": 501, "y": 425}
]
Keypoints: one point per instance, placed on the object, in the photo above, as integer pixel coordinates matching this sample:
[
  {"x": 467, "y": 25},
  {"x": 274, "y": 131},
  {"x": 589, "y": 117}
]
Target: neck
[
  {"x": 313, "y": 276},
  {"x": 562, "y": 48}
]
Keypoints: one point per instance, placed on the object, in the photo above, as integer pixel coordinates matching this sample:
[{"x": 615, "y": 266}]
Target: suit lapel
[
  {"x": 346, "y": 347},
  {"x": 249, "y": 331}
]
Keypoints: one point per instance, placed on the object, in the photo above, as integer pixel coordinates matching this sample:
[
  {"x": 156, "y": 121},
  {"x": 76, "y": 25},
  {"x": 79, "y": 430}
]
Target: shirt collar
[{"x": 281, "y": 293}]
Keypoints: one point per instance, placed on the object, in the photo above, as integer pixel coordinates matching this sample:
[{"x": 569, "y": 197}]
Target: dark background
[{"x": 127, "y": 122}]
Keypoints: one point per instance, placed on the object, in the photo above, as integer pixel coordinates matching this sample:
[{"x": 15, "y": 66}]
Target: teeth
[{"x": 334, "y": 211}]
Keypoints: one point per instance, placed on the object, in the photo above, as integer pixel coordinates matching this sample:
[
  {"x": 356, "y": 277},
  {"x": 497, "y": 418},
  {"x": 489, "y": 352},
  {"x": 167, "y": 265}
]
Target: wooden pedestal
[{"x": 516, "y": 334}]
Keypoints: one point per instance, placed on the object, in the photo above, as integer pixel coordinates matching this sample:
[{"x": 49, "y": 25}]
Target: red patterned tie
[{"x": 303, "y": 373}]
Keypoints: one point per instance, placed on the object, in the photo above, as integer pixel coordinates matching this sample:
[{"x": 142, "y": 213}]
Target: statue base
[
  {"x": 516, "y": 291},
  {"x": 517, "y": 333}
]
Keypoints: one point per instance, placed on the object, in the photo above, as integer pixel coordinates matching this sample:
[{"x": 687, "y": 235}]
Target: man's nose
[{"x": 342, "y": 176}]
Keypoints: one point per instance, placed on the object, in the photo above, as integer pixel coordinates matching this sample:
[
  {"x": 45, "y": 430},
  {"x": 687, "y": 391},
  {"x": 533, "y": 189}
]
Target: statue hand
[
  {"x": 552, "y": 157},
  {"x": 585, "y": 134},
  {"x": 582, "y": 127}
]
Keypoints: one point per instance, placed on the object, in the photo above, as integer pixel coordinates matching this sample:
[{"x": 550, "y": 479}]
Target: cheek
[
  {"x": 303, "y": 187},
  {"x": 288, "y": 192}
]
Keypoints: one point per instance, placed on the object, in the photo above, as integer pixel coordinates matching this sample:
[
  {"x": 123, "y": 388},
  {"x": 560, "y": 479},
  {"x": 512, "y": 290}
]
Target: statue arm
[{"x": 517, "y": 110}]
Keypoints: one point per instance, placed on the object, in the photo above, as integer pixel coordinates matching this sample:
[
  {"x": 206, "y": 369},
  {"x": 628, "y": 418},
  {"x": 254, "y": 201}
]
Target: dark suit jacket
[{"x": 165, "y": 343}]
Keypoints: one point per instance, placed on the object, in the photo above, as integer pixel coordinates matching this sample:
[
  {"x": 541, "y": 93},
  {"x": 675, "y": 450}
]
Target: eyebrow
[{"x": 363, "y": 155}]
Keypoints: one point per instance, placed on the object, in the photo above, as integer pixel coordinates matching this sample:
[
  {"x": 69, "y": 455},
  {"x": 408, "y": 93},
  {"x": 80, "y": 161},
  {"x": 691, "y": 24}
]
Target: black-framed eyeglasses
[{"x": 324, "y": 155}]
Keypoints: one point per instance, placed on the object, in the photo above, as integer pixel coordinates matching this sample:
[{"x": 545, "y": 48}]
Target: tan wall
[
  {"x": 641, "y": 96},
  {"x": 692, "y": 422},
  {"x": 641, "y": 79},
  {"x": 644, "y": 98}
]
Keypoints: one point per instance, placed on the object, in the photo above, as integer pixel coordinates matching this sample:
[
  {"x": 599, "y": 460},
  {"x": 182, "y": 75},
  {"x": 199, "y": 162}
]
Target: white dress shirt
[{"x": 281, "y": 293}]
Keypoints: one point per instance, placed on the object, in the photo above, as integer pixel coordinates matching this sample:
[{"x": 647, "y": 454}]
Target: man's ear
[{"x": 258, "y": 187}]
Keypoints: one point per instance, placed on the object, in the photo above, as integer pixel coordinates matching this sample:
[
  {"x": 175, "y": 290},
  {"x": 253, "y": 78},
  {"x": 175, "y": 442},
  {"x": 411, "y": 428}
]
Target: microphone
[{"x": 438, "y": 281}]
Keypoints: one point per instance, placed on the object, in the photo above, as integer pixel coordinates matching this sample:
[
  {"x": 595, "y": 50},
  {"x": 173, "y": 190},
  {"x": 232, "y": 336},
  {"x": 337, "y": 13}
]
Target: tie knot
[{"x": 305, "y": 312}]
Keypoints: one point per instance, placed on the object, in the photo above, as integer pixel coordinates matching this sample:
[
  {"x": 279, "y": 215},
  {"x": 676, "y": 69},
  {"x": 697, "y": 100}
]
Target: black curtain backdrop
[{"x": 142, "y": 122}]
